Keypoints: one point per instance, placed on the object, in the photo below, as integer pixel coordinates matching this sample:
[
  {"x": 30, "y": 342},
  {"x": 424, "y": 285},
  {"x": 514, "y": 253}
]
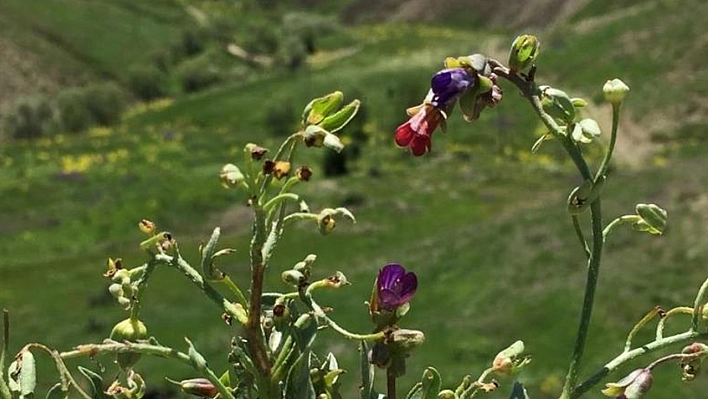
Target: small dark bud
[
  {"x": 257, "y": 152},
  {"x": 303, "y": 173}
]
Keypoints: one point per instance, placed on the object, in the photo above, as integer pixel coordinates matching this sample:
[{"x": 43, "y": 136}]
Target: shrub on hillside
[
  {"x": 74, "y": 114},
  {"x": 106, "y": 102},
  {"x": 147, "y": 82},
  {"x": 198, "y": 74},
  {"x": 30, "y": 118}
]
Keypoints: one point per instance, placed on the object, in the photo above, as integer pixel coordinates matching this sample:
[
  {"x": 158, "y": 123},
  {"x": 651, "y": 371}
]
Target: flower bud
[
  {"x": 199, "y": 387},
  {"x": 128, "y": 330},
  {"x": 615, "y": 91},
  {"x": 633, "y": 386},
  {"x": 406, "y": 340},
  {"x": 337, "y": 280},
  {"x": 231, "y": 176},
  {"x": 326, "y": 223},
  {"x": 257, "y": 152},
  {"x": 293, "y": 277},
  {"x": 303, "y": 173},
  {"x": 113, "y": 267},
  {"x": 147, "y": 227},
  {"x": 557, "y": 104},
  {"x": 523, "y": 53},
  {"x": 510, "y": 360},
  {"x": 653, "y": 219}
]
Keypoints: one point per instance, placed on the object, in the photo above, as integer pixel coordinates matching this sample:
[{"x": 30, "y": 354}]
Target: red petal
[
  {"x": 404, "y": 134},
  {"x": 420, "y": 145}
]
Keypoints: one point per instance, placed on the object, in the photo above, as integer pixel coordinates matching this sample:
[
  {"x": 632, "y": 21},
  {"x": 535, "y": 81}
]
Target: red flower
[{"x": 418, "y": 131}]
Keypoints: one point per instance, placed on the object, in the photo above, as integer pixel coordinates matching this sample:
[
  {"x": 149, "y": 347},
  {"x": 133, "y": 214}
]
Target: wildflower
[
  {"x": 417, "y": 132},
  {"x": 449, "y": 84},
  {"x": 395, "y": 286},
  {"x": 633, "y": 386}
]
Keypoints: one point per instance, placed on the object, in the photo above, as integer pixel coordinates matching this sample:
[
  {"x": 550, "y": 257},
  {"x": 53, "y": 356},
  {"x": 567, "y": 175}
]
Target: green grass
[{"x": 480, "y": 220}]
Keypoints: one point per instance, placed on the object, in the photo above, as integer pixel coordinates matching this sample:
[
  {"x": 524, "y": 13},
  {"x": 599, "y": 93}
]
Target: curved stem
[
  {"x": 64, "y": 374},
  {"x": 617, "y": 222},
  {"x": 674, "y": 356},
  {"x": 640, "y": 324},
  {"x": 698, "y": 305},
  {"x": 142, "y": 286},
  {"x": 633, "y": 354},
  {"x": 580, "y": 235},
  {"x": 322, "y": 315},
  {"x": 662, "y": 322},
  {"x": 602, "y": 171}
]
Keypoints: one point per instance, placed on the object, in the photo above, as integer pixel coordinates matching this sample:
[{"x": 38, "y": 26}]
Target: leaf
[
  {"x": 28, "y": 375},
  {"x": 341, "y": 118},
  {"x": 367, "y": 372},
  {"x": 225, "y": 378},
  {"x": 518, "y": 392},
  {"x": 431, "y": 383},
  {"x": 320, "y": 108},
  {"x": 298, "y": 384},
  {"x": 55, "y": 392},
  {"x": 96, "y": 382}
]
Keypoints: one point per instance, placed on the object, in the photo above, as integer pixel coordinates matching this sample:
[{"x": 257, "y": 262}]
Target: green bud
[
  {"x": 557, "y": 104},
  {"x": 510, "y": 360},
  {"x": 339, "y": 119},
  {"x": 231, "y": 176},
  {"x": 579, "y": 102},
  {"x": 615, "y": 91},
  {"x": 447, "y": 394},
  {"x": 523, "y": 53},
  {"x": 293, "y": 277},
  {"x": 320, "y": 108},
  {"x": 653, "y": 219},
  {"x": 128, "y": 330}
]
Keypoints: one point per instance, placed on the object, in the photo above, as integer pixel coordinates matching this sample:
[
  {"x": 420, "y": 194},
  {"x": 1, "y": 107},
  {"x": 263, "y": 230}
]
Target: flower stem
[
  {"x": 640, "y": 324},
  {"x": 633, "y": 354},
  {"x": 390, "y": 383},
  {"x": 698, "y": 305},
  {"x": 617, "y": 222},
  {"x": 662, "y": 322},
  {"x": 602, "y": 170},
  {"x": 580, "y": 235},
  {"x": 142, "y": 286}
]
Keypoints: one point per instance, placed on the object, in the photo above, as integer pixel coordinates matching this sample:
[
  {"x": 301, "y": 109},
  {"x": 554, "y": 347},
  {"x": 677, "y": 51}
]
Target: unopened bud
[
  {"x": 147, "y": 227},
  {"x": 557, "y": 104},
  {"x": 293, "y": 277},
  {"x": 615, "y": 91},
  {"x": 510, "y": 359},
  {"x": 231, "y": 176},
  {"x": 524, "y": 51},
  {"x": 337, "y": 280},
  {"x": 199, "y": 387},
  {"x": 633, "y": 386},
  {"x": 128, "y": 330},
  {"x": 406, "y": 340},
  {"x": 257, "y": 152},
  {"x": 653, "y": 219}
]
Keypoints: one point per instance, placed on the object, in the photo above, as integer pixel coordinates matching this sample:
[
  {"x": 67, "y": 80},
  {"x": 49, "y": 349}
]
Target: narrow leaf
[
  {"x": 96, "y": 382},
  {"x": 56, "y": 393}
]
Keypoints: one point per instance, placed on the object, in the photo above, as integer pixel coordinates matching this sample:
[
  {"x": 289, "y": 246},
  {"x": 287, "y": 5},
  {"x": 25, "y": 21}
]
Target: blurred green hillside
[{"x": 481, "y": 220}]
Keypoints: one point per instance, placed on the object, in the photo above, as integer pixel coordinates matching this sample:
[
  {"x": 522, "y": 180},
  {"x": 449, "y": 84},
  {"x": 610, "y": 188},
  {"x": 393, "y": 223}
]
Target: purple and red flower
[
  {"x": 446, "y": 87},
  {"x": 395, "y": 286}
]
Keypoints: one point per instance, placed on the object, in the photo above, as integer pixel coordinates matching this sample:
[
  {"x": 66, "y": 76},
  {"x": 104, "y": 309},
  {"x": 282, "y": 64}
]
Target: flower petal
[
  {"x": 404, "y": 134},
  {"x": 389, "y": 275}
]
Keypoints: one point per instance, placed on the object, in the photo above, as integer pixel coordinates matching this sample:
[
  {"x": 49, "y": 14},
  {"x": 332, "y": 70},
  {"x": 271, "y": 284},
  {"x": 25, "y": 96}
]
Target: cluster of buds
[
  {"x": 322, "y": 117},
  {"x": 299, "y": 275},
  {"x": 123, "y": 289},
  {"x": 468, "y": 79}
]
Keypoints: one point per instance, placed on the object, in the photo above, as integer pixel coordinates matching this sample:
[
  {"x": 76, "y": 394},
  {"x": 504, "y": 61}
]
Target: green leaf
[
  {"x": 367, "y": 372},
  {"x": 208, "y": 270},
  {"x": 28, "y": 375},
  {"x": 298, "y": 384},
  {"x": 320, "y": 108},
  {"x": 96, "y": 382},
  {"x": 55, "y": 392},
  {"x": 467, "y": 105},
  {"x": 341, "y": 118},
  {"x": 518, "y": 392},
  {"x": 431, "y": 383},
  {"x": 225, "y": 378}
]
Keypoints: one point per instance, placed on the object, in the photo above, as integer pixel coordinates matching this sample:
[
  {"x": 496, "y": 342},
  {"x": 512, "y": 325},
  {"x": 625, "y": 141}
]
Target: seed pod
[{"x": 132, "y": 331}]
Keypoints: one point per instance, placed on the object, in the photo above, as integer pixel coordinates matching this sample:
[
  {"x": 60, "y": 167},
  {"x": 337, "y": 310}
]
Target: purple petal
[
  {"x": 449, "y": 84},
  {"x": 389, "y": 299},
  {"x": 389, "y": 275},
  {"x": 409, "y": 284}
]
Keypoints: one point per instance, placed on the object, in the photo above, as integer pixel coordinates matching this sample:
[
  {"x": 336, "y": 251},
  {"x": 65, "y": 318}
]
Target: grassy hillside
[{"x": 480, "y": 220}]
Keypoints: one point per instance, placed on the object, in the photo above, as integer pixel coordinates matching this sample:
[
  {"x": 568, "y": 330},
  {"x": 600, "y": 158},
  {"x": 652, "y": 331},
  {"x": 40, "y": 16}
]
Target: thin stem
[
  {"x": 618, "y": 222},
  {"x": 602, "y": 170},
  {"x": 194, "y": 276},
  {"x": 662, "y": 322},
  {"x": 235, "y": 290},
  {"x": 640, "y": 324},
  {"x": 64, "y": 374},
  {"x": 91, "y": 350},
  {"x": 698, "y": 305},
  {"x": 390, "y": 383},
  {"x": 674, "y": 356},
  {"x": 322, "y": 315},
  {"x": 580, "y": 235},
  {"x": 631, "y": 355},
  {"x": 142, "y": 286}
]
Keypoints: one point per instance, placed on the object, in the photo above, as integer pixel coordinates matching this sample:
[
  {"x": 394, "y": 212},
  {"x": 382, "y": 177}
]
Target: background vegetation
[{"x": 481, "y": 220}]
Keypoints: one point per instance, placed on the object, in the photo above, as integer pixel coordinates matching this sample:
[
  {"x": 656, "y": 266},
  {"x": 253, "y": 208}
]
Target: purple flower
[
  {"x": 395, "y": 287},
  {"x": 449, "y": 84}
]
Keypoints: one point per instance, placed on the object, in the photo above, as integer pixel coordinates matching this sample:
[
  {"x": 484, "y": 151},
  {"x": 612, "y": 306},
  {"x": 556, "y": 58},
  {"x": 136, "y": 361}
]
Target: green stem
[
  {"x": 91, "y": 350},
  {"x": 580, "y": 235},
  {"x": 194, "y": 276},
  {"x": 618, "y": 222},
  {"x": 631, "y": 355},
  {"x": 142, "y": 286},
  {"x": 322, "y": 315},
  {"x": 602, "y": 170},
  {"x": 662, "y": 322},
  {"x": 640, "y": 324},
  {"x": 698, "y": 305},
  {"x": 64, "y": 374}
]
